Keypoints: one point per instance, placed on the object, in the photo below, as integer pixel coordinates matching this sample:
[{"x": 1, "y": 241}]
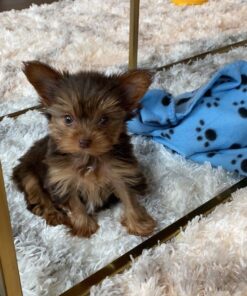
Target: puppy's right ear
[{"x": 44, "y": 79}]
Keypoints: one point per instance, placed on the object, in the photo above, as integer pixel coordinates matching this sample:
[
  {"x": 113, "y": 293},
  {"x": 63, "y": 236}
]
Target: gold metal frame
[
  {"x": 133, "y": 33},
  {"x": 10, "y": 280}
]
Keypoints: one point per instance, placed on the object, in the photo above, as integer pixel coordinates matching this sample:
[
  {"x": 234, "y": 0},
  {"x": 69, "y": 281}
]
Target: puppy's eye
[
  {"x": 68, "y": 119},
  {"x": 103, "y": 120}
]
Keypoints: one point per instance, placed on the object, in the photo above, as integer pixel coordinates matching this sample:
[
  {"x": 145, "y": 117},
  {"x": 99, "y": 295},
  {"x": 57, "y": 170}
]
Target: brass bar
[
  {"x": 9, "y": 267},
  {"x": 203, "y": 55},
  {"x": 133, "y": 33},
  {"x": 2, "y": 284},
  {"x": 17, "y": 113},
  {"x": 121, "y": 263}
]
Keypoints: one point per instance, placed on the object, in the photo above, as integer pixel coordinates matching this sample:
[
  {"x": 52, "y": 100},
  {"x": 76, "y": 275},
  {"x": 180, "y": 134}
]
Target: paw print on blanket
[
  {"x": 206, "y": 135},
  {"x": 235, "y": 146},
  {"x": 240, "y": 163},
  {"x": 168, "y": 134},
  {"x": 166, "y": 100},
  {"x": 209, "y": 100},
  {"x": 244, "y": 89},
  {"x": 242, "y": 111},
  {"x": 213, "y": 102}
]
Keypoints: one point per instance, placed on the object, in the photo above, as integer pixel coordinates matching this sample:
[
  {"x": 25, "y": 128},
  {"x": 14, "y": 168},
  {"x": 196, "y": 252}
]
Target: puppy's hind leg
[{"x": 39, "y": 203}]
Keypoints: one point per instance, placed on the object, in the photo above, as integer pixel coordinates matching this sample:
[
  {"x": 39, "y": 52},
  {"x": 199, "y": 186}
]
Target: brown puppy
[{"x": 87, "y": 155}]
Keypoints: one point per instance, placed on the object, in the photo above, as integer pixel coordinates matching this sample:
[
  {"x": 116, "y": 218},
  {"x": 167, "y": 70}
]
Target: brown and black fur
[{"x": 87, "y": 155}]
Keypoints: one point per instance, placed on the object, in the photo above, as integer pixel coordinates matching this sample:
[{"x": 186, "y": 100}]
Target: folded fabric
[{"x": 208, "y": 124}]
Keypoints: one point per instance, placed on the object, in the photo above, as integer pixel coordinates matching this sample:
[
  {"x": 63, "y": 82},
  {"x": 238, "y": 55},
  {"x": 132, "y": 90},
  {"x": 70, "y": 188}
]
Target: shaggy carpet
[
  {"x": 208, "y": 259},
  {"x": 93, "y": 34},
  {"x": 50, "y": 261}
]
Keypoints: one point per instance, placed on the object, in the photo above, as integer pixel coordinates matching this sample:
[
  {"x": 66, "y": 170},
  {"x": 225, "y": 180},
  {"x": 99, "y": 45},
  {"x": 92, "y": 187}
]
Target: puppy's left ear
[
  {"x": 44, "y": 79},
  {"x": 133, "y": 85}
]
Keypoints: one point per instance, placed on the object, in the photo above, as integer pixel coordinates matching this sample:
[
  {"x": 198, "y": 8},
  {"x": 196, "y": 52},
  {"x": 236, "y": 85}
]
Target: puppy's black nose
[{"x": 85, "y": 143}]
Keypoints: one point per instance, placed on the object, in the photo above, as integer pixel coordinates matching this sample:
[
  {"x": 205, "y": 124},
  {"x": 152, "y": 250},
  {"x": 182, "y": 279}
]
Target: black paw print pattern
[
  {"x": 243, "y": 89},
  {"x": 168, "y": 134},
  {"x": 242, "y": 111},
  {"x": 166, "y": 100},
  {"x": 170, "y": 123},
  {"x": 209, "y": 100},
  {"x": 235, "y": 146},
  {"x": 214, "y": 102},
  {"x": 208, "y": 136},
  {"x": 240, "y": 163}
]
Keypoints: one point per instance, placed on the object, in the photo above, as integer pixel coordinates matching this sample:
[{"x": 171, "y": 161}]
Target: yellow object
[{"x": 189, "y": 2}]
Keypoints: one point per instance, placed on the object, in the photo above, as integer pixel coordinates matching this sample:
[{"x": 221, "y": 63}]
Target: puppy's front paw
[
  {"x": 84, "y": 228},
  {"x": 140, "y": 223},
  {"x": 54, "y": 218}
]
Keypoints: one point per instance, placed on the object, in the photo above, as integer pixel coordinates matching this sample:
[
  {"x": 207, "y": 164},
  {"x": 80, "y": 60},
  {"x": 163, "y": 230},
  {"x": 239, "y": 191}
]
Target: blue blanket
[{"x": 208, "y": 124}]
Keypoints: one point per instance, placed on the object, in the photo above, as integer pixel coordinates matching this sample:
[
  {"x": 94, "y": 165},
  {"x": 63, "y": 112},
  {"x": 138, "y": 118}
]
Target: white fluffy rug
[
  {"x": 93, "y": 34},
  {"x": 49, "y": 260},
  {"x": 207, "y": 259}
]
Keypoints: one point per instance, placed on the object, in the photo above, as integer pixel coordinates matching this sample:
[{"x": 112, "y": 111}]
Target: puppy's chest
[
  {"x": 93, "y": 175},
  {"x": 95, "y": 184},
  {"x": 91, "y": 181}
]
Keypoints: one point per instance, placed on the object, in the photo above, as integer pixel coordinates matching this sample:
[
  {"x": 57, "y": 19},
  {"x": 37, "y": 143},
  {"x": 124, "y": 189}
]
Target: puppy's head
[{"x": 87, "y": 111}]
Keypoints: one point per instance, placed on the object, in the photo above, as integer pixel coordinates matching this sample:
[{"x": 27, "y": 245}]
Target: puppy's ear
[
  {"x": 134, "y": 84},
  {"x": 44, "y": 79}
]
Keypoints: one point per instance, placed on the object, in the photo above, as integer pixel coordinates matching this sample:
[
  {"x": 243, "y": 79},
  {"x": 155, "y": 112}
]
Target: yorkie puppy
[{"x": 87, "y": 155}]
